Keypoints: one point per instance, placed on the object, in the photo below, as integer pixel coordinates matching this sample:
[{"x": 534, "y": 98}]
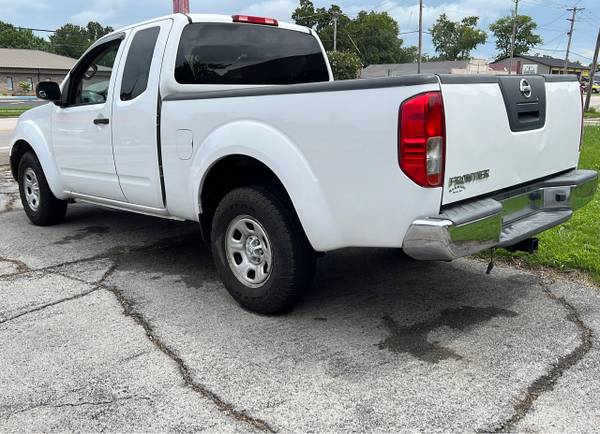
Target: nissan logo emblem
[{"x": 525, "y": 88}]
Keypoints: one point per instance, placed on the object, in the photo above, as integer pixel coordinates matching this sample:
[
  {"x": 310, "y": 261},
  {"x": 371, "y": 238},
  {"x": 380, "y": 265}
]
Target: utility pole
[
  {"x": 420, "y": 36},
  {"x": 335, "y": 20},
  {"x": 513, "y": 37},
  {"x": 181, "y": 6},
  {"x": 574, "y": 9},
  {"x": 592, "y": 71}
]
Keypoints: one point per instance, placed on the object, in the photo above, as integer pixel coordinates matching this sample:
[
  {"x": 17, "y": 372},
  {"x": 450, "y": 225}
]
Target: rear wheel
[
  {"x": 41, "y": 206},
  {"x": 260, "y": 250}
]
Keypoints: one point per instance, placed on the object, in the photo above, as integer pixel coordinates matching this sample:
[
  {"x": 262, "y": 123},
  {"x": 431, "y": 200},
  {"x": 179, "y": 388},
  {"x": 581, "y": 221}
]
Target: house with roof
[
  {"x": 525, "y": 64},
  {"x": 30, "y": 66}
]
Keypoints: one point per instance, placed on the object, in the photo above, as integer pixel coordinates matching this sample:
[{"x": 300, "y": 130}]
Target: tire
[
  {"x": 40, "y": 205},
  {"x": 256, "y": 228}
]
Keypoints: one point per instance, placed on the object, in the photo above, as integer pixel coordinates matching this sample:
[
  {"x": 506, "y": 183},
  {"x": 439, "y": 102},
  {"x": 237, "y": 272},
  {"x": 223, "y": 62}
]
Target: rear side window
[
  {"x": 216, "y": 53},
  {"x": 137, "y": 66}
]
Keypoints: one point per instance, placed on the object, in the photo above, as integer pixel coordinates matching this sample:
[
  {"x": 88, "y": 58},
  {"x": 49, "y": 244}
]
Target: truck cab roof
[{"x": 210, "y": 18}]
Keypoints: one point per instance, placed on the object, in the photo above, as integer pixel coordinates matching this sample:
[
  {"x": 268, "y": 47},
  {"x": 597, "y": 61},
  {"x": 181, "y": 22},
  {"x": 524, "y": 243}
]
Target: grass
[
  {"x": 592, "y": 113},
  {"x": 13, "y": 112},
  {"x": 574, "y": 245}
]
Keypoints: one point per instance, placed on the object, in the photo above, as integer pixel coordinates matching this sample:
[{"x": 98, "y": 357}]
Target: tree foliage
[
  {"x": 71, "y": 40},
  {"x": 344, "y": 64},
  {"x": 25, "y": 86},
  {"x": 525, "y": 37},
  {"x": 12, "y": 37},
  {"x": 454, "y": 40},
  {"x": 373, "y": 36}
]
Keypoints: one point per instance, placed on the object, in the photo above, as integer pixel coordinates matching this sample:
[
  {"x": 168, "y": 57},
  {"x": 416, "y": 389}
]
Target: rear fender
[{"x": 277, "y": 151}]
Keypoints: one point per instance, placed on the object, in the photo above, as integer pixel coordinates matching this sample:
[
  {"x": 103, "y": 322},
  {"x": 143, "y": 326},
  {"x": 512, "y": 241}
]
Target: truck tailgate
[{"x": 502, "y": 131}]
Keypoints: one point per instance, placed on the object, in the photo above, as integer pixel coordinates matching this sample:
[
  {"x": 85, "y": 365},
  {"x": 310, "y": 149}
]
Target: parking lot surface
[{"x": 118, "y": 322}]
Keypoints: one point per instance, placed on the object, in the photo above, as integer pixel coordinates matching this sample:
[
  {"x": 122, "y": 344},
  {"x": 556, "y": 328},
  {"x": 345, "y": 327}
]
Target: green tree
[
  {"x": 345, "y": 65},
  {"x": 25, "y": 87},
  {"x": 318, "y": 19},
  {"x": 454, "y": 40},
  {"x": 71, "y": 40},
  {"x": 525, "y": 37},
  {"x": 12, "y": 37},
  {"x": 371, "y": 35}
]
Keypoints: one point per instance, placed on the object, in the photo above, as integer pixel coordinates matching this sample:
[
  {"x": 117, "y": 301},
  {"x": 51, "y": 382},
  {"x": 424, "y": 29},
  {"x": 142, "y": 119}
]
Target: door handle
[{"x": 101, "y": 121}]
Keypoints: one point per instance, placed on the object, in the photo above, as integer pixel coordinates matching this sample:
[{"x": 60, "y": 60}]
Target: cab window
[
  {"x": 139, "y": 61},
  {"x": 91, "y": 79}
]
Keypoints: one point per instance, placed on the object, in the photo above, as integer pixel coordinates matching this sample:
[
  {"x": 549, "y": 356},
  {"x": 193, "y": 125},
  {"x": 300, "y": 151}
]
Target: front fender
[
  {"x": 278, "y": 152},
  {"x": 29, "y": 131}
]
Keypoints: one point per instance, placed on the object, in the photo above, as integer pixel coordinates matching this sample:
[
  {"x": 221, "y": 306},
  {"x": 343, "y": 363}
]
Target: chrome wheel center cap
[
  {"x": 254, "y": 249},
  {"x": 249, "y": 251}
]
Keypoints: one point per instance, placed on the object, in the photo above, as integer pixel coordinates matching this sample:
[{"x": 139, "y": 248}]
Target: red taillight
[
  {"x": 421, "y": 139},
  {"x": 254, "y": 20}
]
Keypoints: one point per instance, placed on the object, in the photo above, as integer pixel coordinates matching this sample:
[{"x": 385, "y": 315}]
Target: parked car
[
  {"x": 235, "y": 122},
  {"x": 595, "y": 86}
]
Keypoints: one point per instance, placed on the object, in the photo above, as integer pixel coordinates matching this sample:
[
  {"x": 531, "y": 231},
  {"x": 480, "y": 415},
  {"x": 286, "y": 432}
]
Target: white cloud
[
  {"x": 102, "y": 12},
  {"x": 408, "y": 15}
]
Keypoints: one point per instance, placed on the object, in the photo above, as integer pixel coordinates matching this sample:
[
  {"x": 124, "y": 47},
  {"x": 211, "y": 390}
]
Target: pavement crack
[
  {"x": 79, "y": 404},
  {"x": 47, "y": 305},
  {"x": 185, "y": 371},
  {"x": 98, "y": 285},
  {"x": 547, "y": 381},
  {"x": 106, "y": 402},
  {"x": 128, "y": 310},
  {"x": 21, "y": 266},
  {"x": 112, "y": 254}
]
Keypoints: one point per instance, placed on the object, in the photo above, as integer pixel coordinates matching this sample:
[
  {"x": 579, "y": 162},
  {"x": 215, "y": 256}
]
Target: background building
[
  {"x": 524, "y": 64},
  {"x": 30, "y": 66},
  {"x": 473, "y": 66}
]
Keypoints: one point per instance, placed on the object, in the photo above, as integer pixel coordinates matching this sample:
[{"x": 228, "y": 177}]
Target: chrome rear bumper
[{"x": 501, "y": 220}]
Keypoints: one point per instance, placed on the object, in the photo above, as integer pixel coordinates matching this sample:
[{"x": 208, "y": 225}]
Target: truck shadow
[
  {"x": 406, "y": 299},
  {"x": 394, "y": 302}
]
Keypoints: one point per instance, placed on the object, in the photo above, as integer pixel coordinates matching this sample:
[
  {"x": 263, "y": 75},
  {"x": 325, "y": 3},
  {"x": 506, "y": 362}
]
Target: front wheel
[
  {"x": 41, "y": 206},
  {"x": 260, "y": 250}
]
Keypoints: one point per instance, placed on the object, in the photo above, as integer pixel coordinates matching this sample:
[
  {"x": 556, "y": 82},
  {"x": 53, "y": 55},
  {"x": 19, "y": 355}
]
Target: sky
[{"x": 551, "y": 16}]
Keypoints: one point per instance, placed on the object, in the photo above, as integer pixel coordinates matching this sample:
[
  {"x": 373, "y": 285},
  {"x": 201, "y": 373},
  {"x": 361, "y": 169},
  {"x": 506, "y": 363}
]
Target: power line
[
  {"x": 554, "y": 20},
  {"x": 574, "y": 9}
]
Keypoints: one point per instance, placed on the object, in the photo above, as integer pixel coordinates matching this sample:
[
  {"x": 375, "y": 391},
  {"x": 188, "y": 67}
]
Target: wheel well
[
  {"x": 18, "y": 150},
  {"x": 228, "y": 174}
]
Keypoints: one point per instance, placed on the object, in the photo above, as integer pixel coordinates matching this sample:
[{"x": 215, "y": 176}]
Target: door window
[
  {"x": 91, "y": 78},
  {"x": 137, "y": 66}
]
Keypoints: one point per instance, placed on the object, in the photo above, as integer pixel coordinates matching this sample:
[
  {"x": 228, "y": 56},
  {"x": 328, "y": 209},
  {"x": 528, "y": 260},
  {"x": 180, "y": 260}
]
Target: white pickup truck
[{"x": 235, "y": 122}]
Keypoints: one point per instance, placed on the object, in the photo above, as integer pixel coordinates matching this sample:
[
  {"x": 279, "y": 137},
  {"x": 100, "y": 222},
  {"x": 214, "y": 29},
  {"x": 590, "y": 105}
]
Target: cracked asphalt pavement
[{"x": 117, "y": 322}]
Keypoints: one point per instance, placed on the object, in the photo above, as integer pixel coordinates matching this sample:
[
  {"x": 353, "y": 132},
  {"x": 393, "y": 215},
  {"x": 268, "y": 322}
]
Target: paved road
[
  {"x": 595, "y": 102},
  {"x": 117, "y": 322},
  {"x": 7, "y": 126},
  {"x": 16, "y": 102}
]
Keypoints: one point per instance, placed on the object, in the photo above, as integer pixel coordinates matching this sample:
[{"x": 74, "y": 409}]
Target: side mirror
[{"x": 48, "y": 90}]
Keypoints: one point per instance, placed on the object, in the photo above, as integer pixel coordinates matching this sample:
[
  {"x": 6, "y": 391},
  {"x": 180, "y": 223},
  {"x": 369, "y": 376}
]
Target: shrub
[{"x": 345, "y": 65}]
